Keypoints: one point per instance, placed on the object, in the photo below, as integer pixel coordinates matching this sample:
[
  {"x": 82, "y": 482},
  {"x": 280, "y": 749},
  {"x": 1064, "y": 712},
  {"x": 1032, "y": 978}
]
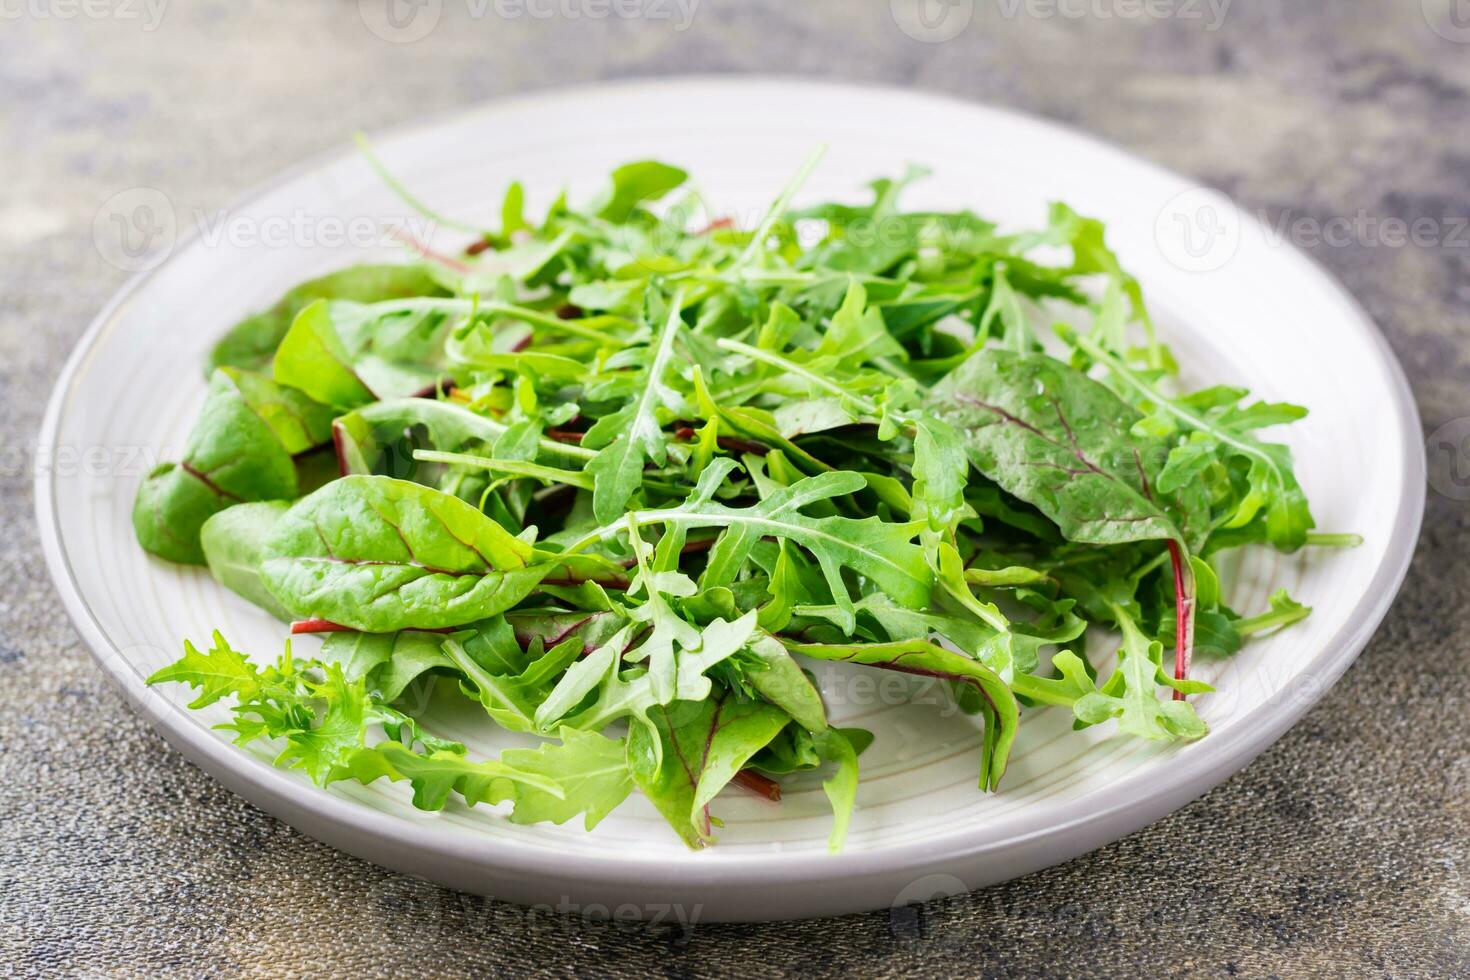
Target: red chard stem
[{"x": 1183, "y": 615}]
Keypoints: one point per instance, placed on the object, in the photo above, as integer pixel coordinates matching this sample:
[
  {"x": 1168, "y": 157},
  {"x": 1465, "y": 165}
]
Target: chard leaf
[
  {"x": 239, "y": 451},
  {"x": 389, "y": 661},
  {"x": 692, "y": 750},
  {"x": 251, "y": 343},
  {"x": 1060, "y": 441},
  {"x": 512, "y": 700},
  {"x": 380, "y": 555},
  {"x": 233, "y": 542},
  {"x": 782, "y": 682},
  {"x": 347, "y": 354}
]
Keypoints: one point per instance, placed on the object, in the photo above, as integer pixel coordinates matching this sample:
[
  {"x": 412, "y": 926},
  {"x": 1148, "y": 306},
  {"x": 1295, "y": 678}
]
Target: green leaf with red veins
[
  {"x": 240, "y": 450},
  {"x": 348, "y": 354},
  {"x": 380, "y": 555},
  {"x": 1061, "y": 442},
  {"x": 252, "y": 342},
  {"x": 692, "y": 749}
]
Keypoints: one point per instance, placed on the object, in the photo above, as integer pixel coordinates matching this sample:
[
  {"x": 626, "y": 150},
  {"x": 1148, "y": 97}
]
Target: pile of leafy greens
[{"x": 617, "y": 475}]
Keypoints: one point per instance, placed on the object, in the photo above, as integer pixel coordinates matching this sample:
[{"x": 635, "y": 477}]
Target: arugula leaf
[
  {"x": 1002, "y": 715},
  {"x": 435, "y": 775},
  {"x": 1131, "y": 692},
  {"x": 635, "y": 183},
  {"x": 841, "y": 787},
  {"x": 609, "y": 468},
  {"x": 881, "y": 551},
  {"x": 618, "y": 467},
  {"x": 635, "y": 693},
  {"x": 1284, "y": 611}
]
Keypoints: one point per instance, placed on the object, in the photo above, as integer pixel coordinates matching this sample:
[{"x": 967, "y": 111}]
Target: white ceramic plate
[{"x": 1236, "y": 306}]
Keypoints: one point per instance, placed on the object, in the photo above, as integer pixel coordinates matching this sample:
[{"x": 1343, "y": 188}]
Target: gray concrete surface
[{"x": 1342, "y": 851}]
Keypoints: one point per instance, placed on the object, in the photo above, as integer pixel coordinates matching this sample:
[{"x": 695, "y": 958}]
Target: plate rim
[{"x": 370, "y": 833}]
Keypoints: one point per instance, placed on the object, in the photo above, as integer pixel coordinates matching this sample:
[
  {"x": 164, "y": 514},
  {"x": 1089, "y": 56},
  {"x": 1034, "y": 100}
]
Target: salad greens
[{"x": 622, "y": 481}]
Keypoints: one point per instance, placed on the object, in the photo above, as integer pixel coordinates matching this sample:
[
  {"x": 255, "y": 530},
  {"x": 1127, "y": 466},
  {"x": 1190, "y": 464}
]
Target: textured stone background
[{"x": 1343, "y": 850}]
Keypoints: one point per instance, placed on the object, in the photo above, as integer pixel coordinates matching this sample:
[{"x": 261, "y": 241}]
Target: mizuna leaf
[
  {"x": 590, "y": 771},
  {"x": 380, "y": 555},
  {"x": 218, "y": 673}
]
